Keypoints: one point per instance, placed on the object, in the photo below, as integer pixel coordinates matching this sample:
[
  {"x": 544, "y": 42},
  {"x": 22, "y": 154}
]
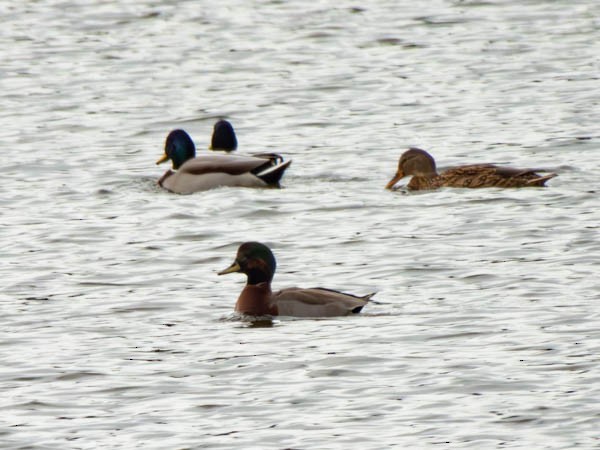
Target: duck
[
  {"x": 224, "y": 139},
  {"x": 191, "y": 173},
  {"x": 257, "y": 262},
  {"x": 421, "y": 166}
]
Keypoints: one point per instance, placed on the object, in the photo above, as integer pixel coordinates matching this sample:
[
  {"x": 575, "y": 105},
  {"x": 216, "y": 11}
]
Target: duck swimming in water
[
  {"x": 421, "y": 166},
  {"x": 256, "y": 260},
  {"x": 224, "y": 139},
  {"x": 193, "y": 173}
]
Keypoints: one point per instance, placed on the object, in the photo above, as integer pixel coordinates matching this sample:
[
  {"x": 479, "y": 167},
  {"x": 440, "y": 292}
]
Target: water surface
[{"x": 117, "y": 332}]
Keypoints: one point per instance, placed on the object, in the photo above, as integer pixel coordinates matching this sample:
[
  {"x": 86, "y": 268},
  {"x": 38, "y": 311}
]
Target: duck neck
[
  {"x": 422, "y": 181},
  {"x": 258, "y": 276},
  {"x": 255, "y": 299},
  {"x": 430, "y": 174},
  {"x": 181, "y": 155}
]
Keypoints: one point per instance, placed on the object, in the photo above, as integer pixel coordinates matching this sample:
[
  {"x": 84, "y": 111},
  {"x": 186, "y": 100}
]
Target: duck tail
[
  {"x": 272, "y": 174},
  {"x": 540, "y": 181},
  {"x": 368, "y": 297}
]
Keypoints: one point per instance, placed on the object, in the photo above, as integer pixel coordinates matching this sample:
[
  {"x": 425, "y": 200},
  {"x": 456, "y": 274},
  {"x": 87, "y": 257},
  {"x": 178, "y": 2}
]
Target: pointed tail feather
[
  {"x": 272, "y": 174},
  {"x": 367, "y": 297},
  {"x": 541, "y": 180}
]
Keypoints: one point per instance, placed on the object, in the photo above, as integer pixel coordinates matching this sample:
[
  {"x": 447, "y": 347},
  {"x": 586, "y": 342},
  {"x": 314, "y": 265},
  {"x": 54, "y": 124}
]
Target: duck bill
[
  {"x": 235, "y": 267},
  {"x": 162, "y": 159},
  {"x": 399, "y": 175}
]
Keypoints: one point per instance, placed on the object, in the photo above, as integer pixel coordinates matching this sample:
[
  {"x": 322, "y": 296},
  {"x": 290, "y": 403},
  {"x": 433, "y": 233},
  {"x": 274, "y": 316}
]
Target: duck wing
[
  {"x": 272, "y": 171},
  {"x": 271, "y": 174},
  {"x": 528, "y": 177},
  {"x": 275, "y": 158},
  {"x": 490, "y": 175},
  {"x": 217, "y": 163},
  {"x": 317, "y": 302},
  {"x": 268, "y": 167}
]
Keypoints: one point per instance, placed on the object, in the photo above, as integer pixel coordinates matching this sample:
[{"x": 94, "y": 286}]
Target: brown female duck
[
  {"x": 421, "y": 166},
  {"x": 258, "y": 263}
]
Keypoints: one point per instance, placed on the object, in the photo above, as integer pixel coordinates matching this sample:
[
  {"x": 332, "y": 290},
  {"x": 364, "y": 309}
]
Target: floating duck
[
  {"x": 256, "y": 260},
  {"x": 193, "y": 173},
  {"x": 223, "y": 137},
  {"x": 421, "y": 166}
]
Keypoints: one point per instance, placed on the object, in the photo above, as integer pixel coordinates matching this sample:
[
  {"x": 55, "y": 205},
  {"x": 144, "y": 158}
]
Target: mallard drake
[
  {"x": 224, "y": 139},
  {"x": 199, "y": 173},
  {"x": 421, "y": 166},
  {"x": 256, "y": 260}
]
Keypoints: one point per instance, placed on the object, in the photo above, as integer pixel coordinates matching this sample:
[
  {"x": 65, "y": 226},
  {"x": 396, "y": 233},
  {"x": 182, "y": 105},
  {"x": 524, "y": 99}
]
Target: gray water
[{"x": 116, "y": 331}]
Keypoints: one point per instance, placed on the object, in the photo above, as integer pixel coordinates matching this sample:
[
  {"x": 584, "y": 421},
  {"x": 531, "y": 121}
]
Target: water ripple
[{"x": 117, "y": 331}]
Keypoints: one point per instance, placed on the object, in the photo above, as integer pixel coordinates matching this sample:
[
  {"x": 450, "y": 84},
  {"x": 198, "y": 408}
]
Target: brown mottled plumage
[
  {"x": 421, "y": 166},
  {"x": 257, "y": 261}
]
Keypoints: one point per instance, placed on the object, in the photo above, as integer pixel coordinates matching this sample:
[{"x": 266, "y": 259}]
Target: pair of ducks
[
  {"x": 256, "y": 260},
  {"x": 193, "y": 173}
]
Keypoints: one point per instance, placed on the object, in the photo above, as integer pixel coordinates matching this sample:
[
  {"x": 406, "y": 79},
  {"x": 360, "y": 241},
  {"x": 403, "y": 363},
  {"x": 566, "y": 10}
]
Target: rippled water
[{"x": 117, "y": 332}]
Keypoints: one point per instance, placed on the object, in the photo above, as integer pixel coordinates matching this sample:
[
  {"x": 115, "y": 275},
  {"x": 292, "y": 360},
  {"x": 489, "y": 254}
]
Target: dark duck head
[
  {"x": 179, "y": 147},
  {"x": 414, "y": 161},
  {"x": 256, "y": 261},
  {"x": 223, "y": 137}
]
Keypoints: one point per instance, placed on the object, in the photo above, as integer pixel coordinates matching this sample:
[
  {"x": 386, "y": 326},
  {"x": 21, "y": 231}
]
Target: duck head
[
  {"x": 414, "y": 161},
  {"x": 256, "y": 261},
  {"x": 179, "y": 147},
  {"x": 223, "y": 137}
]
